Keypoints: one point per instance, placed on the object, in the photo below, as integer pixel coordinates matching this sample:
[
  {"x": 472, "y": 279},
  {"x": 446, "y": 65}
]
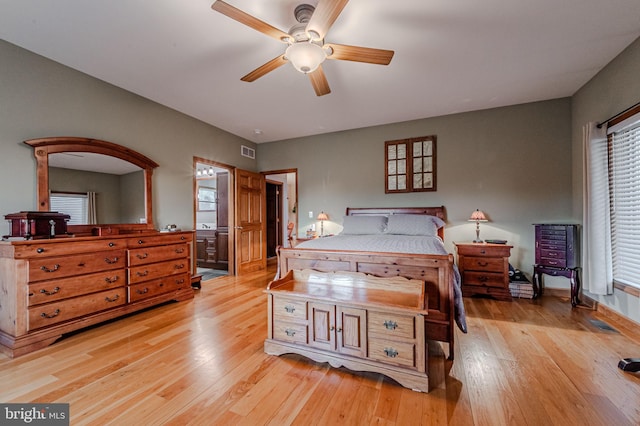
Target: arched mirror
[{"x": 118, "y": 177}]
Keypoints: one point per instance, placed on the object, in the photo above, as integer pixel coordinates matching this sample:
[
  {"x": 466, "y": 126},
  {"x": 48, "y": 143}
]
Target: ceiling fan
[{"x": 306, "y": 47}]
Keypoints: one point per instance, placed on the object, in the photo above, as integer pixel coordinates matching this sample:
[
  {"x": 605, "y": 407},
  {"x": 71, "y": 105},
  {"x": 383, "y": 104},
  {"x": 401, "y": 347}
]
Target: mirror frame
[{"x": 44, "y": 146}]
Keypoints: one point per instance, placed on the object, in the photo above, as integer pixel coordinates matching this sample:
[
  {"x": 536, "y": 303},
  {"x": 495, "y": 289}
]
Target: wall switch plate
[{"x": 310, "y": 215}]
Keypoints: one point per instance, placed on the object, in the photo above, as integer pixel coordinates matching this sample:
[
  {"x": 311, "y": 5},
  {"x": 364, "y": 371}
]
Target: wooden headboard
[{"x": 387, "y": 211}]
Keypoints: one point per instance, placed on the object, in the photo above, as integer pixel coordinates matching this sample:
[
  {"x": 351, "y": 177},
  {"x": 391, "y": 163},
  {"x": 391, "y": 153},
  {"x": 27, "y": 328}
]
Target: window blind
[
  {"x": 624, "y": 184},
  {"x": 75, "y": 205}
]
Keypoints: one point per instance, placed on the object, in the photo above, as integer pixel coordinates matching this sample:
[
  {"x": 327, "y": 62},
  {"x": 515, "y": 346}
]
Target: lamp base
[{"x": 478, "y": 241}]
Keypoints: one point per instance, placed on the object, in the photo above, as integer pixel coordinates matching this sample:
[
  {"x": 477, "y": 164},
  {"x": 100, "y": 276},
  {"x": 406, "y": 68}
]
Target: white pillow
[
  {"x": 414, "y": 224},
  {"x": 363, "y": 225}
]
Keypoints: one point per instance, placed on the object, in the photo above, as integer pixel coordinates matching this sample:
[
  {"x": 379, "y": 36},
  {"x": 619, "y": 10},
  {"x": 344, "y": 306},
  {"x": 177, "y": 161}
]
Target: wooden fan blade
[
  {"x": 325, "y": 15},
  {"x": 360, "y": 54},
  {"x": 264, "y": 69},
  {"x": 248, "y": 20},
  {"x": 319, "y": 82}
]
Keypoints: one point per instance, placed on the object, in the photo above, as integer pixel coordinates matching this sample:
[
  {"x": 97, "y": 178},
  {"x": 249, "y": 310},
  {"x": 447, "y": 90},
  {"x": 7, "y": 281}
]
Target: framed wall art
[{"x": 410, "y": 165}]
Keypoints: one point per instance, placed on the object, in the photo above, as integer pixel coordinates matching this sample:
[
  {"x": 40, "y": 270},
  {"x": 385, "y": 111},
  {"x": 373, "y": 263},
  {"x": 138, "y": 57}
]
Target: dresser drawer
[
  {"x": 56, "y": 312},
  {"x": 66, "y": 266},
  {"x": 482, "y": 250},
  {"x": 160, "y": 286},
  {"x": 391, "y": 325},
  {"x": 290, "y": 332},
  {"x": 156, "y": 240},
  {"x": 143, "y": 256},
  {"x": 285, "y": 309},
  {"x": 485, "y": 279},
  {"x": 53, "y": 290},
  {"x": 47, "y": 248},
  {"x": 393, "y": 352},
  {"x": 489, "y": 264},
  {"x": 142, "y": 273}
]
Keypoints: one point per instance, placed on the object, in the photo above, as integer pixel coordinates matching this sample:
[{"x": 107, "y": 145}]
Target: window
[
  {"x": 410, "y": 165},
  {"x": 75, "y": 205},
  {"x": 624, "y": 190}
]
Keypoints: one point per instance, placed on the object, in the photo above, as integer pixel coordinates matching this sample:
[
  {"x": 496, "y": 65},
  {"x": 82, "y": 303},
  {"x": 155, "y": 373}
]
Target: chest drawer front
[
  {"x": 290, "y": 332},
  {"x": 482, "y": 250},
  {"x": 490, "y": 264},
  {"x": 486, "y": 279},
  {"x": 56, "y": 312},
  {"x": 60, "y": 247},
  {"x": 393, "y": 352},
  {"x": 50, "y": 291},
  {"x": 391, "y": 325},
  {"x": 160, "y": 286},
  {"x": 285, "y": 309},
  {"x": 143, "y": 256},
  {"x": 156, "y": 240},
  {"x": 142, "y": 273},
  {"x": 59, "y": 267}
]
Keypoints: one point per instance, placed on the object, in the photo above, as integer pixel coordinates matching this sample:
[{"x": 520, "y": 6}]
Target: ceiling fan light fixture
[{"x": 305, "y": 57}]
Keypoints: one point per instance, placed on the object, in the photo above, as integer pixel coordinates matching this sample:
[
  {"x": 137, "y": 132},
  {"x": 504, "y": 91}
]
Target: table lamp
[
  {"x": 477, "y": 216},
  {"x": 322, "y": 217}
]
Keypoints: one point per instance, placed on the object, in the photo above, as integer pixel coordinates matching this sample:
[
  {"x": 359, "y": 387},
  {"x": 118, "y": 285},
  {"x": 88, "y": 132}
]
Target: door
[
  {"x": 250, "y": 218},
  {"x": 323, "y": 327},
  {"x": 274, "y": 215},
  {"x": 351, "y": 326}
]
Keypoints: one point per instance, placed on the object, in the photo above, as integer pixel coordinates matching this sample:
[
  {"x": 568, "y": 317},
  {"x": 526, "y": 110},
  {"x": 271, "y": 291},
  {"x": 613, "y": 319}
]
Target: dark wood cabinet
[
  {"x": 557, "y": 254},
  {"x": 484, "y": 269}
]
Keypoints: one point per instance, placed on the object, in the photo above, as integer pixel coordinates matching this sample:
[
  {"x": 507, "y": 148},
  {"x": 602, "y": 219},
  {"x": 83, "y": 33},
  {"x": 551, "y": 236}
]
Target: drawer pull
[
  {"x": 289, "y": 308},
  {"x": 49, "y": 293},
  {"x": 290, "y": 332},
  {"x": 111, "y": 261},
  {"x": 180, "y": 281},
  {"x": 180, "y": 266},
  {"x": 483, "y": 278},
  {"x": 180, "y": 250},
  {"x": 108, "y": 299},
  {"x": 390, "y": 352},
  {"x": 40, "y": 250},
  {"x": 55, "y": 268},
  {"x": 145, "y": 290},
  {"x": 140, "y": 241},
  {"x": 183, "y": 238},
  {"x": 111, "y": 280},
  {"x": 483, "y": 263},
  {"x": 112, "y": 244},
  {"x": 142, "y": 274},
  {"x": 483, "y": 252},
  {"x": 53, "y": 315},
  {"x": 390, "y": 325},
  {"x": 142, "y": 256}
]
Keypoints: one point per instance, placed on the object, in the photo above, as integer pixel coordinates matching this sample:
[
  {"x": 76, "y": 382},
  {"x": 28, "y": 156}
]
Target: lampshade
[
  {"x": 323, "y": 216},
  {"x": 477, "y": 216},
  {"x": 305, "y": 56}
]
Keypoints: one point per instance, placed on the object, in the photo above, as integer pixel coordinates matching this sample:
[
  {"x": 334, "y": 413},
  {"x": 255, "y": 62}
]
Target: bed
[{"x": 396, "y": 241}]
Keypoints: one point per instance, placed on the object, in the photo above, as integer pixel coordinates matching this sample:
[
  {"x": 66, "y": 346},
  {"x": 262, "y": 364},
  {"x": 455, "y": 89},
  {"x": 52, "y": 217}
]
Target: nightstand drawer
[
  {"x": 481, "y": 250},
  {"x": 490, "y": 264},
  {"x": 484, "y": 279}
]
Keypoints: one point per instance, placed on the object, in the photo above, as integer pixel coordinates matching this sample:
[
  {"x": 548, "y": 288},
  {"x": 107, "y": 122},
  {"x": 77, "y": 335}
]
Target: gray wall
[
  {"x": 612, "y": 90},
  {"x": 514, "y": 163},
  {"x": 41, "y": 98}
]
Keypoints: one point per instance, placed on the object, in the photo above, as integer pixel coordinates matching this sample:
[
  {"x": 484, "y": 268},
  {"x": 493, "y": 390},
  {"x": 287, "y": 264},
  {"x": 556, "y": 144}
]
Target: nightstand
[{"x": 484, "y": 269}]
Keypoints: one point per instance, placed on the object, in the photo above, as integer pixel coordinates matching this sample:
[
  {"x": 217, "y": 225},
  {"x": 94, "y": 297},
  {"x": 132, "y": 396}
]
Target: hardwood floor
[{"x": 201, "y": 362}]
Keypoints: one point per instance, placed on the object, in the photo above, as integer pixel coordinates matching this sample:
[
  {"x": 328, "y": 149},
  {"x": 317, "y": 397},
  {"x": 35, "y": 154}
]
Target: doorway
[
  {"x": 213, "y": 251},
  {"x": 282, "y": 208}
]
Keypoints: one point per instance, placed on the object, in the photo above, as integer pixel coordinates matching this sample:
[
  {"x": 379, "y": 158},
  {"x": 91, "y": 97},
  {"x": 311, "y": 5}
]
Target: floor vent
[{"x": 602, "y": 325}]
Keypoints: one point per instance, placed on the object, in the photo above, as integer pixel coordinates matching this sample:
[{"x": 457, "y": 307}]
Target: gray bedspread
[{"x": 418, "y": 244}]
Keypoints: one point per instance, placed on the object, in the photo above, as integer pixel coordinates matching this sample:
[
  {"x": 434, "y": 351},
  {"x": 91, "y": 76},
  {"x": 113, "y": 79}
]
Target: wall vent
[{"x": 245, "y": 151}]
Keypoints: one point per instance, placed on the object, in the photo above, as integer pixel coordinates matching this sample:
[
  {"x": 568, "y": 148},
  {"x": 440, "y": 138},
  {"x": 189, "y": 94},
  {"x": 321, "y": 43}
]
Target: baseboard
[
  {"x": 626, "y": 322},
  {"x": 585, "y": 302}
]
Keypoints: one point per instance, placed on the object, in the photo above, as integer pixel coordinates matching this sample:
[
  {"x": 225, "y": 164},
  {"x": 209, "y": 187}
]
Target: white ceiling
[{"x": 450, "y": 56}]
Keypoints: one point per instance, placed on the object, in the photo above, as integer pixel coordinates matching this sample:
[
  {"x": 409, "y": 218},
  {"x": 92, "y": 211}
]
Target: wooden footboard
[{"x": 435, "y": 270}]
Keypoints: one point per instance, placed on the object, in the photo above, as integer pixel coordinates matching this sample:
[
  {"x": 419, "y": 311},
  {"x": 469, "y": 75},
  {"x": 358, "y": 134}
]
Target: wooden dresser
[
  {"x": 53, "y": 286},
  {"x": 351, "y": 319},
  {"x": 484, "y": 269}
]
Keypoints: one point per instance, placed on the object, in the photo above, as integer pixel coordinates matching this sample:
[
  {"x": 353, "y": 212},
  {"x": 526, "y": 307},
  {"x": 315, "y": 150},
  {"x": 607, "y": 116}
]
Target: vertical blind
[{"x": 624, "y": 183}]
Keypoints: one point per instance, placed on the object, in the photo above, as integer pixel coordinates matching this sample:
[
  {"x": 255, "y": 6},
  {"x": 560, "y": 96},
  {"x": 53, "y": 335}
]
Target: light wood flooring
[{"x": 201, "y": 362}]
